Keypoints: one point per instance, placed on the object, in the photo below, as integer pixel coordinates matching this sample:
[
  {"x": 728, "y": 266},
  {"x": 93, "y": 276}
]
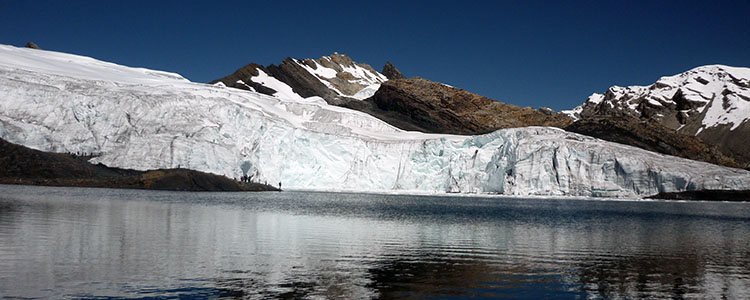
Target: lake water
[{"x": 102, "y": 243}]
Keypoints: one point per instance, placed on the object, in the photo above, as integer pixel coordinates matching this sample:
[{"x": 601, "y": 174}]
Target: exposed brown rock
[
  {"x": 301, "y": 81},
  {"x": 439, "y": 108},
  {"x": 706, "y": 195},
  {"x": 21, "y": 165},
  {"x": 240, "y": 79},
  {"x": 32, "y": 45},
  {"x": 733, "y": 143},
  {"x": 390, "y": 71},
  {"x": 652, "y": 136}
]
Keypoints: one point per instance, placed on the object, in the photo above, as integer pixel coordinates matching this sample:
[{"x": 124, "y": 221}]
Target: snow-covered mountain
[
  {"x": 335, "y": 78},
  {"x": 711, "y": 102},
  {"x": 143, "y": 119}
]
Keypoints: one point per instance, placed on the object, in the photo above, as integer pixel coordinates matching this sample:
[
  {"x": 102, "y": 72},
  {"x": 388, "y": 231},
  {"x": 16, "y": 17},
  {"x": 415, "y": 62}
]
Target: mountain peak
[
  {"x": 334, "y": 78},
  {"x": 711, "y": 102},
  {"x": 390, "y": 71},
  {"x": 32, "y": 45}
]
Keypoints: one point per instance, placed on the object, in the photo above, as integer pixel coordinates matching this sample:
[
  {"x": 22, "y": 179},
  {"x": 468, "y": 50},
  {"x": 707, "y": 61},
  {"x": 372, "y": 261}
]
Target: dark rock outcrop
[
  {"x": 301, "y": 81},
  {"x": 706, "y": 195},
  {"x": 438, "y": 108},
  {"x": 32, "y": 45},
  {"x": 390, "y": 71},
  {"x": 651, "y": 136},
  {"x": 733, "y": 143},
  {"x": 288, "y": 71},
  {"x": 241, "y": 79},
  {"x": 21, "y": 165}
]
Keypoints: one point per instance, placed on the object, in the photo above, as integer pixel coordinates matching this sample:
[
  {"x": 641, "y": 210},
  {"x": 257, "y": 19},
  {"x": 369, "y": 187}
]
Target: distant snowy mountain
[
  {"x": 335, "y": 78},
  {"x": 711, "y": 102},
  {"x": 143, "y": 119}
]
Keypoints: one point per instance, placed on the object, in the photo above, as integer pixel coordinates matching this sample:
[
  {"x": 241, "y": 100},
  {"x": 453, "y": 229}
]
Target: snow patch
[
  {"x": 729, "y": 109},
  {"x": 282, "y": 89},
  {"x": 366, "y": 92},
  {"x": 82, "y": 67}
]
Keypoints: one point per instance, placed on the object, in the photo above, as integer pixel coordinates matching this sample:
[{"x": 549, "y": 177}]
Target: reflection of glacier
[
  {"x": 126, "y": 243},
  {"x": 142, "y": 119}
]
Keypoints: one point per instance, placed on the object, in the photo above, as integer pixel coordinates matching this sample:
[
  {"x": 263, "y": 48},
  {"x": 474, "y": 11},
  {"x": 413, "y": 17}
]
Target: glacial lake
[{"x": 107, "y": 243}]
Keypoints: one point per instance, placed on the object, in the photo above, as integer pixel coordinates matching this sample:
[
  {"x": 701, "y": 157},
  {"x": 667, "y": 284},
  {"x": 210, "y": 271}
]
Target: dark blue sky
[{"x": 546, "y": 53}]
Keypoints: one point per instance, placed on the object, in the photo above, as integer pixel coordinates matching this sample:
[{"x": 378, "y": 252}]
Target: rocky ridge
[
  {"x": 656, "y": 118},
  {"x": 439, "y": 108},
  {"x": 652, "y": 136},
  {"x": 411, "y": 104},
  {"x": 391, "y": 72}
]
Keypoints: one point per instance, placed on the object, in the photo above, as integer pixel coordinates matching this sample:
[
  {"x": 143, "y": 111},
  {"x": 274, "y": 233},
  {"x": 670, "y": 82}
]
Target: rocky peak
[
  {"x": 336, "y": 61},
  {"x": 335, "y": 78},
  {"x": 390, "y": 71},
  {"x": 343, "y": 75},
  {"x": 32, "y": 46}
]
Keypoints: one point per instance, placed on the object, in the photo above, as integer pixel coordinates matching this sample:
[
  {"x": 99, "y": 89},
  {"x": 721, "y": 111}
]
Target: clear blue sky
[{"x": 546, "y": 53}]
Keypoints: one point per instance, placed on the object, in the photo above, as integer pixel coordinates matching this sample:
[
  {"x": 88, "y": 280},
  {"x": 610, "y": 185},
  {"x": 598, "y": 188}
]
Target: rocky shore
[{"x": 22, "y": 165}]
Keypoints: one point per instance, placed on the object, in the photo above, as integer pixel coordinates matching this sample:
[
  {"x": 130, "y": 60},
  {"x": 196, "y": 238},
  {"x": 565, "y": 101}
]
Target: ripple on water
[{"x": 118, "y": 243}]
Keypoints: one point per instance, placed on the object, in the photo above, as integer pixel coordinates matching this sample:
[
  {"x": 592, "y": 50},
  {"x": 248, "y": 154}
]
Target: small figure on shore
[{"x": 279, "y": 186}]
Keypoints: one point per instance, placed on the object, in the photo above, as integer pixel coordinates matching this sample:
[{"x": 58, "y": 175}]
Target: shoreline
[
  {"x": 23, "y": 165},
  {"x": 655, "y": 198}
]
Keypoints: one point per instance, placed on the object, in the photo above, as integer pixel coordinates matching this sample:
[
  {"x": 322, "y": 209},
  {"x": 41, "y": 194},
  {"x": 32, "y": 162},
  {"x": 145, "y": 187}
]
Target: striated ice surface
[{"x": 160, "y": 120}]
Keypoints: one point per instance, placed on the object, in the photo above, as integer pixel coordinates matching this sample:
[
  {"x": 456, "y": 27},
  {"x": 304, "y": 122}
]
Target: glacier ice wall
[{"x": 150, "y": 121}]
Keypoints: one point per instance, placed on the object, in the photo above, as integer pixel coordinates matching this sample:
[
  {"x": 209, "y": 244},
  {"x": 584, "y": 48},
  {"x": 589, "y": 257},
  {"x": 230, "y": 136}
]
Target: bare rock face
[
  {"x": 440, "y": 108},
  {"x": 652, "y": 136},
  {"x": 710, "y": 102},
  {"x": 32, "y": 45},
  {"x": 291, "y": 72},
  {"x": 390, "y": 71}
]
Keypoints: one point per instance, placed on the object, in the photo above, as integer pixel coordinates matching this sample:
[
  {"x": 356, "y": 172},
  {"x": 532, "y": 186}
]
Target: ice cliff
[{"x": 143, "y": 119}]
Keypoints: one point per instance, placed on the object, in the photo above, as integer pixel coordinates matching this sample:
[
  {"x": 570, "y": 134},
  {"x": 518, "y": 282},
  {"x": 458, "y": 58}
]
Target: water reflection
[{"x": 116, "y": 243}]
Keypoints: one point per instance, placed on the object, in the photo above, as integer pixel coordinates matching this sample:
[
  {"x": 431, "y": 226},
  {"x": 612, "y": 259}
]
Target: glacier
[{"x": 144, "y": 119}]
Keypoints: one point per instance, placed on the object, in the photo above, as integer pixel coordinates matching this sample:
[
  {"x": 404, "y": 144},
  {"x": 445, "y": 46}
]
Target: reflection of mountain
[
  {"x": 360, "y": 246},
  {"x": 636, "y": 277}
]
